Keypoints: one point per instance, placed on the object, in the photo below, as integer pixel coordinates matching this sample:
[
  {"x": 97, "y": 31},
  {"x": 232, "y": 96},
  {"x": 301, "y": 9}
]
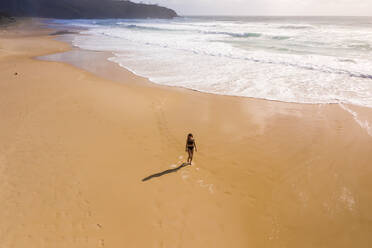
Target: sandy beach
[{"x": 78, "y": 138}]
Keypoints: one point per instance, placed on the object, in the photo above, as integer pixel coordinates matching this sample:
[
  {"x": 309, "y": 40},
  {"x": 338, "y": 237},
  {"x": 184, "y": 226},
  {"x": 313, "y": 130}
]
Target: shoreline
[
  {"x": 314, "y": 86},
  {"x": 60, "y": 57},
  {"x": 114, "y": 68},
  {"x": 75, "y": 147}
]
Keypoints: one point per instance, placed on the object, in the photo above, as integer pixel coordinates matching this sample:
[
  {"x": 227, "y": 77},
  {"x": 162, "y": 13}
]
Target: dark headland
[
  {"x": 5, "y": 18},
  {"x": 84, "y": 9}
]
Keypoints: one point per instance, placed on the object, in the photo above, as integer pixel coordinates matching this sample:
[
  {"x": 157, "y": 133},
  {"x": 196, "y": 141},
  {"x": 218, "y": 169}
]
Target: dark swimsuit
[{"x": 190, "y": 144}]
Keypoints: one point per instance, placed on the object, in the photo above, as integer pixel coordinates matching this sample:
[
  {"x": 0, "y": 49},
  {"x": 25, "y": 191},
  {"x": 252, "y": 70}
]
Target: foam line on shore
[{"x": 363, "y": 124}]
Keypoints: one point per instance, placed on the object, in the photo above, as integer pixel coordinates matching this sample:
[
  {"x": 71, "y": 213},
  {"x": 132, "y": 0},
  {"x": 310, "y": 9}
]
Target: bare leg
[{"x": 191, "y": 154}]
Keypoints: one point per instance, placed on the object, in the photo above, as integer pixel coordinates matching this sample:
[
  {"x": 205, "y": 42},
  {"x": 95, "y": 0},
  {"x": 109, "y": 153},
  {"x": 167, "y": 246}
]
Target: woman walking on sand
[{"x": 190, "y": 145}]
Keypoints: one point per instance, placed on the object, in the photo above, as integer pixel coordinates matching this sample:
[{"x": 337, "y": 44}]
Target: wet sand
[{"x": 75, "y": 148}]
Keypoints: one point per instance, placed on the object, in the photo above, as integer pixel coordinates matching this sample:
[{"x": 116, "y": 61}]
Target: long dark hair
[{"x": 190, "y": 136}]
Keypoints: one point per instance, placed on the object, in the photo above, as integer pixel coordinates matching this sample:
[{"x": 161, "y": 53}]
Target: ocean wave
[
  {"x": 138, "y": 27},
  {"x": 304, "y": 66},
  {"x": 231, "y": 34},
  {"x": 277, "y": 61},
  {"x": 296, "y": 27},
  {"x": 365, "y": 47},
  {"x": 347, "y": 60},
  {"x": 278, "y": 37},
  {"x": 314, "y": 66},
  {"x": 237, "y": 35},
  {"x": 249, "y": 35}
]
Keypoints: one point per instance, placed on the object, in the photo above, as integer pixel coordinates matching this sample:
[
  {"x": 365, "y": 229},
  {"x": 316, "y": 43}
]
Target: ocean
[{"x": 290, "y": 59}]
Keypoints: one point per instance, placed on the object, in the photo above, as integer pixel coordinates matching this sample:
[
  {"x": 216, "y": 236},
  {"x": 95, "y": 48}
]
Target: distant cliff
[{"x": 84, "y": 9}]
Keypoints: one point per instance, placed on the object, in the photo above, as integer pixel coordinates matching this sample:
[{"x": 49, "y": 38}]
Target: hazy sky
[{"x": 268, "y": 7}]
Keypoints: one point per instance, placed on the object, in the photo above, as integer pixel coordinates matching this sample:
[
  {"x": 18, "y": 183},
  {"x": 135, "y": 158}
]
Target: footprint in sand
[
  {"x": 208, "y": 186},
  {"x": 184, "y": 175}
]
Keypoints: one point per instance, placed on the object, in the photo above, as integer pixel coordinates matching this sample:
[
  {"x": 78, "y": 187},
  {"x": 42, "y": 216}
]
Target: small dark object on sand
[{"x": 16, "y": 73}]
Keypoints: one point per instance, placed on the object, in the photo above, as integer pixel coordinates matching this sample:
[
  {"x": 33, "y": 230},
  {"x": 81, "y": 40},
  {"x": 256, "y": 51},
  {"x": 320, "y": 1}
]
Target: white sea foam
[
  {"x": 312, "y": 61},
  {"x": 363, "y": 124}
]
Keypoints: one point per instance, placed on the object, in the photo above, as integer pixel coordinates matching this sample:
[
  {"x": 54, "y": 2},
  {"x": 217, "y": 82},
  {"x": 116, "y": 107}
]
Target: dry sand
[{"x": 75, "y": 146}]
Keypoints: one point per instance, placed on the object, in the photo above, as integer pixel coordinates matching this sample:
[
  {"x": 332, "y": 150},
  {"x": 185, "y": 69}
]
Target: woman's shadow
[{"x": 165, "y": 172}]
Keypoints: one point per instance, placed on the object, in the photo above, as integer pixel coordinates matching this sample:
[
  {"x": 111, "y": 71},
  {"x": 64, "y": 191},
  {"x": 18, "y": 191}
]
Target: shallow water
[{"x": 292, "y": 59}]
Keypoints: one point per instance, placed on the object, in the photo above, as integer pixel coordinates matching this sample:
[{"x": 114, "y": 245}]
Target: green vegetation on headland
[{"x": 84, "y": 9}]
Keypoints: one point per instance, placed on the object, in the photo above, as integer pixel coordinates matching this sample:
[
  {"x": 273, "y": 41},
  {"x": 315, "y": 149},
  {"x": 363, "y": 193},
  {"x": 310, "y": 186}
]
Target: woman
[{"x": 190, "y": 145}]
